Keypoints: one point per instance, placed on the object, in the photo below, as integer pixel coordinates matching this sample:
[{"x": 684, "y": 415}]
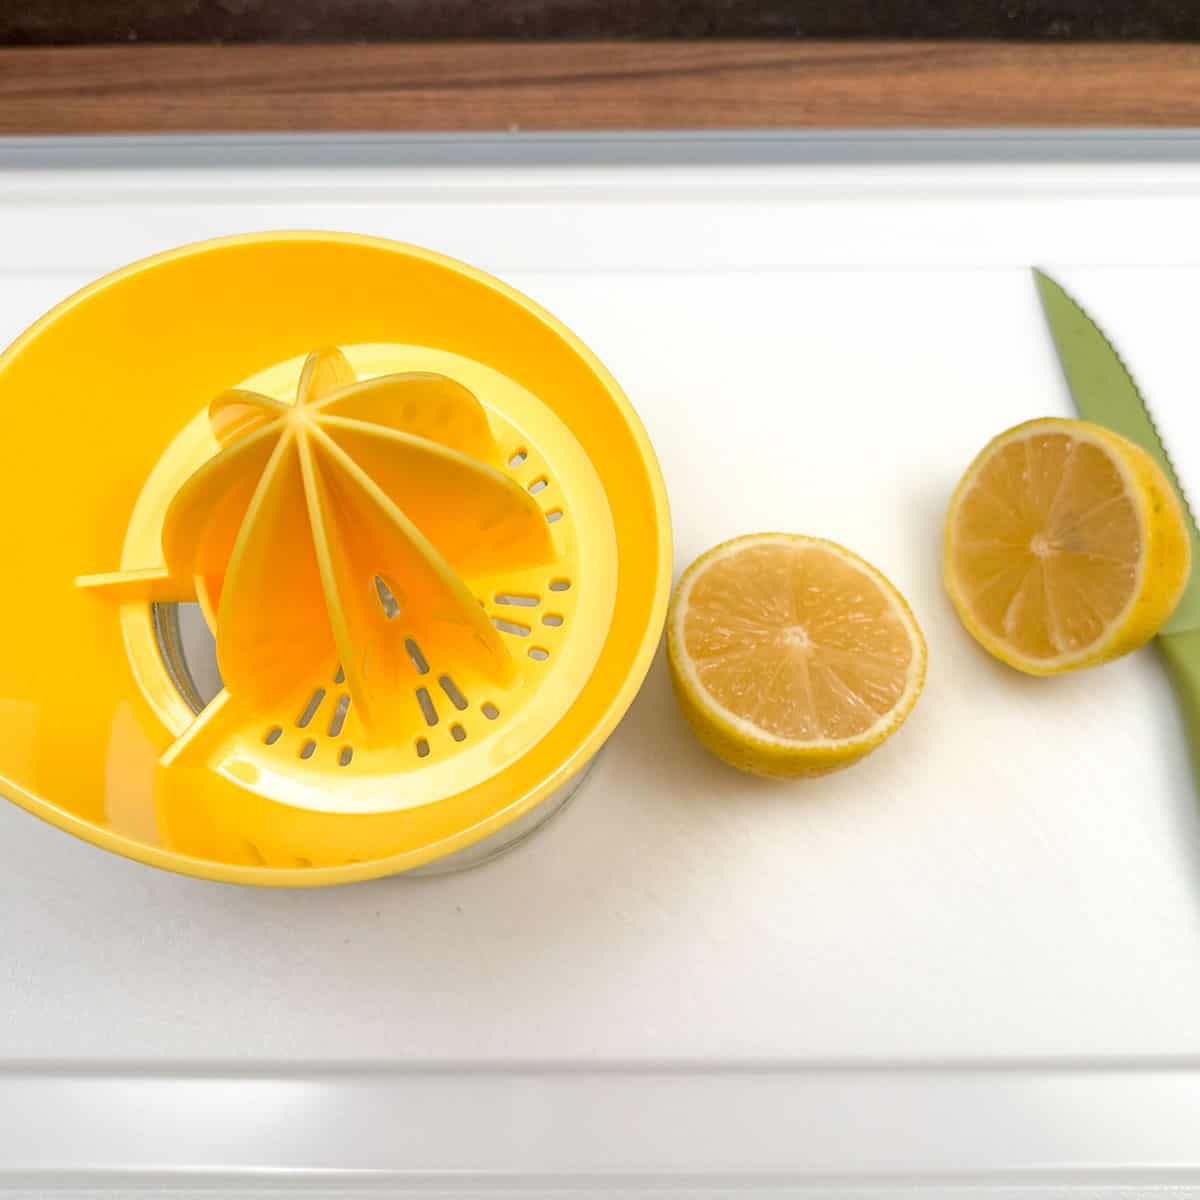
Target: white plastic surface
[{"x": 970, "y": 964}]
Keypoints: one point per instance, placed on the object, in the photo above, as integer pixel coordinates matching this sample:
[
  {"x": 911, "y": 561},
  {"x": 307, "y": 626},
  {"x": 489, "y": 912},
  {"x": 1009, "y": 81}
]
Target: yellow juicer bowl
[{"x": 423, "y": 524}]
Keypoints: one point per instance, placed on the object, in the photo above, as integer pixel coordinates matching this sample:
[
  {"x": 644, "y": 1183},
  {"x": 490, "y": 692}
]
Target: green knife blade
[{"x": 1104, "y": 392}]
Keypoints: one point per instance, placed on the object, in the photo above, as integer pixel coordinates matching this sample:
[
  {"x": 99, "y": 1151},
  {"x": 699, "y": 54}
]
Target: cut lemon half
[
  {"x": 1065, "y": 546},
  {"x": 790, "y": 655}
]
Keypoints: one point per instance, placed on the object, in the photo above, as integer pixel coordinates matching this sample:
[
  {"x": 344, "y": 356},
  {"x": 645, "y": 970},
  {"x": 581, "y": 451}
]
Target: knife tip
[{"x": 1047, "y": 287}]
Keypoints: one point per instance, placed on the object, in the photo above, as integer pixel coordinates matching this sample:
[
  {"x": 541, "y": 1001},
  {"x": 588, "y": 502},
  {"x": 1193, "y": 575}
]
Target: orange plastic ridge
[{"x": 312, "y": 514}]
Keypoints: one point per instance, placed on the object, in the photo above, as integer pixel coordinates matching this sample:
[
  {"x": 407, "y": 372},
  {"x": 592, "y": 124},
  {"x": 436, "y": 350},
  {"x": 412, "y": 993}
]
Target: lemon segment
[
  {"x": 1065, "y": 546},
  {"x": 791, "y": 656}
]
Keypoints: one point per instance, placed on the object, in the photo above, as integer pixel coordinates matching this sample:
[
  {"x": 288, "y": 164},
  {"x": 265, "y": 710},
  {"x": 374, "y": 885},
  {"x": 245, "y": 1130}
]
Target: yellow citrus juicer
[{"x": 424, "y": 526}]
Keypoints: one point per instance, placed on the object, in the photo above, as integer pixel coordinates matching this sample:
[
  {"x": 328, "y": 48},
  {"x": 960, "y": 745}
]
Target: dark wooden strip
[
  {"x": 615, "y": 85},
  {"x": 75, "y": 22}
]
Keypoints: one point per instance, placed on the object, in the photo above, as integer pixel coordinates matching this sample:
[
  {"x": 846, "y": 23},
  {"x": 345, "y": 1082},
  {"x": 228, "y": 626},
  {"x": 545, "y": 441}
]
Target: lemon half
[
  {"x": 791, "y": 656},
  {"x": 1065, "y": 546}
]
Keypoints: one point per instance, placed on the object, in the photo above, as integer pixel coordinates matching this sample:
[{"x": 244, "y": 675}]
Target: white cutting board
[{"x": 973, "y": 959}]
